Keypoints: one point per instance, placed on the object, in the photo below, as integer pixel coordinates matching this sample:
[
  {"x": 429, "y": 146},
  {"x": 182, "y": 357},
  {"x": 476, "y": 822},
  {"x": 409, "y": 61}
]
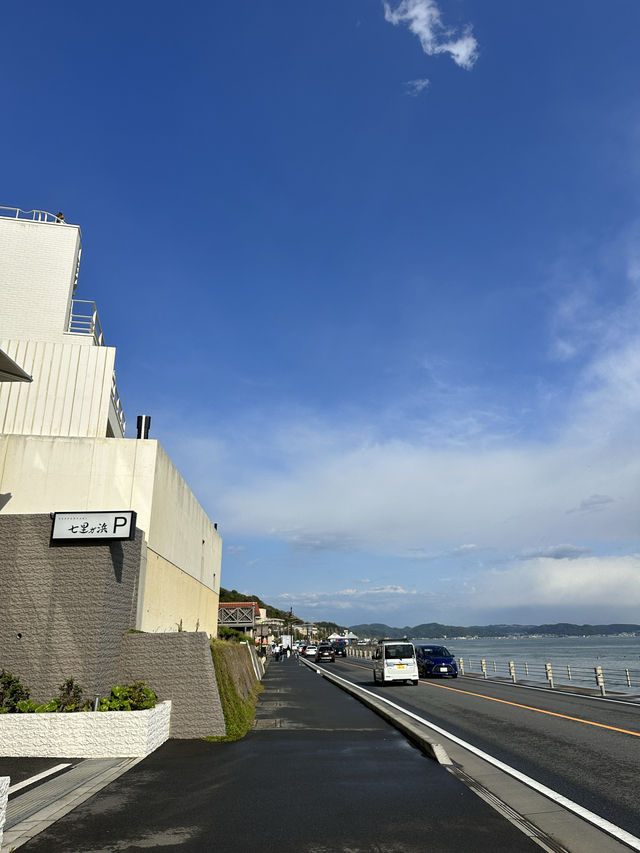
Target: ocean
[{"x": 580, "y": 654}]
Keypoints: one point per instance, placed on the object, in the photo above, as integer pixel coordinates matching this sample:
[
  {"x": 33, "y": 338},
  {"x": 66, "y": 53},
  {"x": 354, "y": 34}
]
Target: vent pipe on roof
[{"x": 144, "y": 422}]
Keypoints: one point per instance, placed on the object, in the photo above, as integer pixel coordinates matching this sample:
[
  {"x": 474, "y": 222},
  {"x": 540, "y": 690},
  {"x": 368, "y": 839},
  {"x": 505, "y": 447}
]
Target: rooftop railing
[{"x": 31, "y": 215}]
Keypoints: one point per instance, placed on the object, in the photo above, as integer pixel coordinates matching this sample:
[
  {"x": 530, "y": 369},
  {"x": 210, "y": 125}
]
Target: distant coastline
[{"x": 495, "y": 632}]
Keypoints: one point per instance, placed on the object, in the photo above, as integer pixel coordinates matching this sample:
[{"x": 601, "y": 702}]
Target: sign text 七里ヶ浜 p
[{"x": 94, "y": 526}]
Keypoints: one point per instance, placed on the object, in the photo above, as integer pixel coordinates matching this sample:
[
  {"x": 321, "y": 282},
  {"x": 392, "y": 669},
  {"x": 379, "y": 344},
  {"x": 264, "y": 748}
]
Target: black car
[
  {"x": 435, "y": 660},
  {"x": 325, "y": 652},
  {"x": 339, "y": 648}
]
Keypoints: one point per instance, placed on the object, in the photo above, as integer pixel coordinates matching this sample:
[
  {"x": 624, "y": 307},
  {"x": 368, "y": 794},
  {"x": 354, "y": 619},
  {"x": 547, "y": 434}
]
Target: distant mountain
[{"x": 436, "y": 629}]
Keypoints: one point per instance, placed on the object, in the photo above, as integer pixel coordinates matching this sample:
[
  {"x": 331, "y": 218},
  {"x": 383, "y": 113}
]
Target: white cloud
[
  {"x": 465, "y": 549},
  {"x": 414, "y": 87},
  {"x": 391, "y": 597},
  {"x": 546, "y": 582},
  {"x": 572, "y": 588},
  {"x": 424, "y": 20}
]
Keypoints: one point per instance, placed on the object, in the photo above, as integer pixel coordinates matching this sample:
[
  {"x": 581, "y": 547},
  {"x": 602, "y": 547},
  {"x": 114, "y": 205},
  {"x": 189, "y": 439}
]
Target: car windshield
[
  {"x": 401, "y": 650},
  {"x": 435, "y": 651}
]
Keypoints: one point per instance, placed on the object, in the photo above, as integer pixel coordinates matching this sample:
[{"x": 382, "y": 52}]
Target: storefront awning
[{"x": 10, "y": 371}]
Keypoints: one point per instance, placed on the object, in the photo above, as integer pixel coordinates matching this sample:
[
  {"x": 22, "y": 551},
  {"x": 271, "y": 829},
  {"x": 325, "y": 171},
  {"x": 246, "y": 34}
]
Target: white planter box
[
  {"x": 4, "y": 793},
  {"x": 85, "y": 734}
]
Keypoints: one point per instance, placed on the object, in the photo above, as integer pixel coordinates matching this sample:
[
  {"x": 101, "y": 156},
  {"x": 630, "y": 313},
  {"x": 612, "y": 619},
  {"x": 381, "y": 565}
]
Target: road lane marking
[
  {"x": 600, "y": 822},
  {"x": 526, "y": 707},
  {"x": 531, "y": 708}
]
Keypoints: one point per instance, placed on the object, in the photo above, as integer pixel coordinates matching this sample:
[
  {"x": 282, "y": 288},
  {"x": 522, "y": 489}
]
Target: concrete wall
[
  {"x": 179, "y": 529},
  {"x": 178, "y": 667},
  {"x": 42, "y": 475},
  {"x": 38, "y": 267},
  {"x": 172, "y": 597},
  {"x": 64, "y": 607},
  {"x": 71, "y": 390}
]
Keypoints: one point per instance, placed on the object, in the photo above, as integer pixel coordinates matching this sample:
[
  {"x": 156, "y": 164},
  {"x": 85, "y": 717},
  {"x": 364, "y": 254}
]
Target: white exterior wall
[
  {"x": 71, "y": 390},
  {"x": 41, "y": 474},
  {"x": 38, "y": 268},
  {"x": 176, "y": 517}
]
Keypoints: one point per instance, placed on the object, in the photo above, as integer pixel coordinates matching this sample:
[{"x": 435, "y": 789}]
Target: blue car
[{"x": 435, "y": 660}]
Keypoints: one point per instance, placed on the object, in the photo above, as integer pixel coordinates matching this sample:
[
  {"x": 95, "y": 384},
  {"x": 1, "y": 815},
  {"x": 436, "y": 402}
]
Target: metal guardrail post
[
  {"x": 461, "y": 666},
  {"x": 512, "y": 671},
  {"x": 626, "y": 672},
  {"x": 483, "y": 667},
  {"x": 600, "y": 680},
  {"x": 495, "y": 668},
  {"x": 526, "y": 669},
  {"x": 549, "y": 674},
  {"x": 569, "y": 671}
]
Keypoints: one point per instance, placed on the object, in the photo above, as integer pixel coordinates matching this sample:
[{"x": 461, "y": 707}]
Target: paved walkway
[{"x": 320, "y": 773}]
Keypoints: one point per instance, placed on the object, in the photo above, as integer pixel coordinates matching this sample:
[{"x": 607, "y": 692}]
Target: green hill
[
  {"x": 437, "y": 630},
  {"x": 272, "y": 612}
]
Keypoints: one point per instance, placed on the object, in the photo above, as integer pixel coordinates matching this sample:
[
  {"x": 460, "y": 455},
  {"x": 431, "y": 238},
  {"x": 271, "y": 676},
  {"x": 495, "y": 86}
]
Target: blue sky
[{"x": 374, "y": 270}]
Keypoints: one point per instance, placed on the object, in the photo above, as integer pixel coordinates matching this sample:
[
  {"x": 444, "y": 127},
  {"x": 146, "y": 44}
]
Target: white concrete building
[{"x": 62, "y": 444}]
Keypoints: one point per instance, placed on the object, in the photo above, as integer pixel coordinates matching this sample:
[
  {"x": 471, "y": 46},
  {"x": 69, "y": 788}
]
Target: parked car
[
  {"x": 325, "y": 652},
  {"x": 435, "y": 660},
  {"x": 339, "y": 648},
  {"x": 394, "y": 660}
]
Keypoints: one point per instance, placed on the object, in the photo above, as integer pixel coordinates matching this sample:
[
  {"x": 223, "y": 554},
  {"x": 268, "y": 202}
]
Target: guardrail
[
  {"x": 523, "y": 670},
  {"x": 515, "y": 671}
]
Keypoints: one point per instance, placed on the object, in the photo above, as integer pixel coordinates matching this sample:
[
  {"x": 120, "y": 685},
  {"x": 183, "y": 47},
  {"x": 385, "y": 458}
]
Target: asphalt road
[
  {"x": 585, "y": 748},
  {"x": 320, "y": 773}
]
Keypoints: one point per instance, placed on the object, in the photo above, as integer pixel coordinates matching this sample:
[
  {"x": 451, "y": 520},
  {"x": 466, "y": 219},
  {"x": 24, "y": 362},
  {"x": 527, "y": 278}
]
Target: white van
[{"x": 394, "y": 660}]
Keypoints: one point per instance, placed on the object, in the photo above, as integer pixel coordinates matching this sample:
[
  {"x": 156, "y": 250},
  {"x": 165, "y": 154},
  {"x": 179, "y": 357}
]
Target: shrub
[
  {"x": 238, "y": 712},
  {"x": 14, "y": 698},
  {"x": 225, "y": 633},
  {"x": 134, "y": 697},
  {"x": 12, "y": 691}
]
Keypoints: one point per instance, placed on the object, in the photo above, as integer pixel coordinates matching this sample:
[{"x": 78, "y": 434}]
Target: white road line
[
  {"x": 621, "y": 834},
  {"x": 19, "y": 785}
]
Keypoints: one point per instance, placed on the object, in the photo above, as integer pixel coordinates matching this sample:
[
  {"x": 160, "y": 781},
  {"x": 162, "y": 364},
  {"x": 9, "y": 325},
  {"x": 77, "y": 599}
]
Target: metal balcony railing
[
  {"x": 84, "y": 320},
  {"x": 117, "y": 404}
]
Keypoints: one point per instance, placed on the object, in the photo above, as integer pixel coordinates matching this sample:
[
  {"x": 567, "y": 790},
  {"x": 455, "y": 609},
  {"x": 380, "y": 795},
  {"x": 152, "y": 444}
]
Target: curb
[{"x": 414, "y": 731}]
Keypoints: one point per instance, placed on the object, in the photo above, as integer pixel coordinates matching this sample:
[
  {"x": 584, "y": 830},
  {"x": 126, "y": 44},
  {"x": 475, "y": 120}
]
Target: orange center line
[
  {"x": 526, "y": 707},
  {"x": 531, "y": 708}
]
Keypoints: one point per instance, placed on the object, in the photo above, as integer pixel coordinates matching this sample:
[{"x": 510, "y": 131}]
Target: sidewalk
[{"x": 320, "y": 773}]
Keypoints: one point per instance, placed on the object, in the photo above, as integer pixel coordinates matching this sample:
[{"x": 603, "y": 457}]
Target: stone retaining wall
[{"x": 179, "y": 667}]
